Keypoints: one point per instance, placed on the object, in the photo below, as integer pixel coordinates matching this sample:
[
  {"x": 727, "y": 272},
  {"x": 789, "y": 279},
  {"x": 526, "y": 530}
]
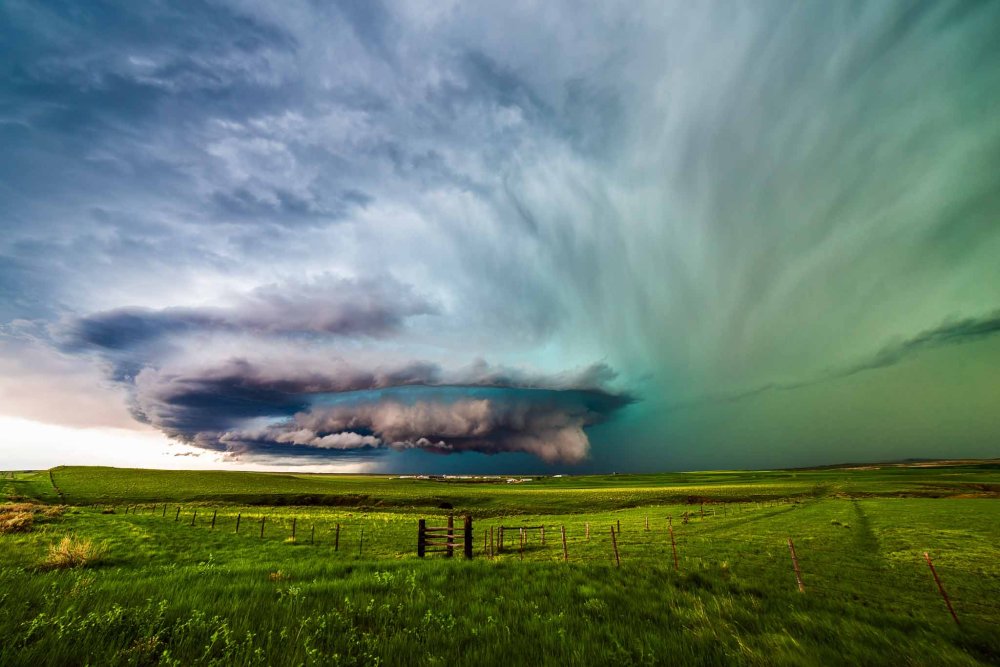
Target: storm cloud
[
  {"x": 524, "y": 412},
  {"x": 326, "y": 305},
  {"x": 249, "y": 218},
  {"x": 547, "y": 424},
  {"x": 968, "y": 330}
]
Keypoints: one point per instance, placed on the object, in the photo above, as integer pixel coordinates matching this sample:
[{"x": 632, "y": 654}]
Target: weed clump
[
  {"x": 20, "y": 517},
  {"x": 16, "y": 522},
  {"x": 74, "y": 552}
]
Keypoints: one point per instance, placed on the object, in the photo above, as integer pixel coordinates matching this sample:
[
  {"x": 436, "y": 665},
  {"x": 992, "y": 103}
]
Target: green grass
[{"x": 169, "y": 592}]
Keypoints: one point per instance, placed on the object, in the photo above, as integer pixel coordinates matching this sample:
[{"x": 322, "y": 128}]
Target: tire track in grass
[
  {"x": 753, "y": 516},
  {"x": 866, "y": 544}
]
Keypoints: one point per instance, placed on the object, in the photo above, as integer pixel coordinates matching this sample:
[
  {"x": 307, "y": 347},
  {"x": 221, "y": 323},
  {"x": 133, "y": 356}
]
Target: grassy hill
[{"x": 103, "y": 485}]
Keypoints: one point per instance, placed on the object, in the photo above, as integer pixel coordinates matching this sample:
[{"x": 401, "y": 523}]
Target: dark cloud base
[{"x": 313, "y": 404}]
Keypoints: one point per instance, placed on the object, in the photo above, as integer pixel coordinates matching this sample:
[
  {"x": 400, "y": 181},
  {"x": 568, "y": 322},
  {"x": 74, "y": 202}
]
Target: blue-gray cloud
[
  {"x": 220, "y": 404},
  {"x": 234, "y": 207},
  {"x": 326, "y": 305},
  {"x": 475, "y": 408}
]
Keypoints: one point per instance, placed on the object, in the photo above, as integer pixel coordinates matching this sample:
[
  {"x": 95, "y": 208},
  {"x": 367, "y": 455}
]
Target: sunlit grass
[{"x": 173, "y": 589}]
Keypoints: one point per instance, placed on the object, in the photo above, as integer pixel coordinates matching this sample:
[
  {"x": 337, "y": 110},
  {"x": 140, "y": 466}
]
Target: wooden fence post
[
  {"x": 421, "y": 536},
  {"x": 361, "y": 544},
  {"x": 293, "y": 527},
  {"x": 336, "y": 539},
  {"x": 500, "y": 541},
  {"x": 937, "y": 580},
  {"x": 312, "y": 534},
  {"x": 164, "y": 510},
  {"x": 491, "y": 542},
  {"x": 588, "y": 530},
  {"x": 673, "y": 545},
  {"x": 178, "y": 515},
  {"x": 468, "y": 537},
  {"x": 543, "y": 535},
  {"x": 522, "y": 543},
  {"x": 647, "y": 522},
  {"x": 450, "y": 549},
  {"x": 565, "y": 551},
  {"x": 262, "y": 526},
  {"x": 214, "y": 513},
  {"x": 795, "y": 566},
  {"x": 703, "y": 509},
  {"x": 126, "y": 510},
  {"x": 238, "y": 517},
  {"x": 614, "y": 544},
  {"x": 194, "y": 516},
  {"x": 619, "y": 526}
]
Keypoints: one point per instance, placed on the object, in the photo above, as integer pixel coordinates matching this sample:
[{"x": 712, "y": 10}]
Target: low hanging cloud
[
  {"x": 303, "y": 436},
  {"x": 525, "y": 412},
  {"x": 549, "y": 425},
  {"x": 328, "y": 339}
]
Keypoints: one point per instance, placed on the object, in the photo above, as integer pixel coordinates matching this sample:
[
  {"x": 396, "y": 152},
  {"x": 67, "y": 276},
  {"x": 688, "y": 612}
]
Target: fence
[{"x": 765, "y": 560}]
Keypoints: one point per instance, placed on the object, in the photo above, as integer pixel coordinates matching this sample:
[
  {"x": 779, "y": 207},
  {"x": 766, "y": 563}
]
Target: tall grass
[
  {"x": 71, "y": 551},
  {"x": 197, "y": 592},
  {"x": 20, "y": 517}
]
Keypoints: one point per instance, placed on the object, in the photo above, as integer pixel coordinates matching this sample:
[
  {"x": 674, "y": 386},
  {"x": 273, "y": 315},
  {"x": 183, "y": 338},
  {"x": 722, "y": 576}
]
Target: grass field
[{"x": 170, "y": 588}]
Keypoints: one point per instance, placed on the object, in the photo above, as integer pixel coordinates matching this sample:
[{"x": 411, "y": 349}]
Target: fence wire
[{"x": 833, "y": 570}]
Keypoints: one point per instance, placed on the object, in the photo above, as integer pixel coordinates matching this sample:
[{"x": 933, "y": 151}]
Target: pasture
[{"x": 202, "y": 568}]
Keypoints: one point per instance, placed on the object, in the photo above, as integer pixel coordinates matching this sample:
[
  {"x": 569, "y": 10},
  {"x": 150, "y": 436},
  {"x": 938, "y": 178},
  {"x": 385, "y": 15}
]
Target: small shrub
[
  {"x": 277, "y": 576},
  {"x": 73, "y": 552}
]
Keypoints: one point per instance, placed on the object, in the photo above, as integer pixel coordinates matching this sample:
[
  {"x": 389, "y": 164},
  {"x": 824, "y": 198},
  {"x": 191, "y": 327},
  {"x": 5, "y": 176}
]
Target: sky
[{"x": 482, "y": 237}]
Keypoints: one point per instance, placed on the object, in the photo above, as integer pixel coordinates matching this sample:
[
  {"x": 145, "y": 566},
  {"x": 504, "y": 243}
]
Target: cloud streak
[
  {"x": 956, "y": 332},
  {"x": 326, "y": 305}
]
